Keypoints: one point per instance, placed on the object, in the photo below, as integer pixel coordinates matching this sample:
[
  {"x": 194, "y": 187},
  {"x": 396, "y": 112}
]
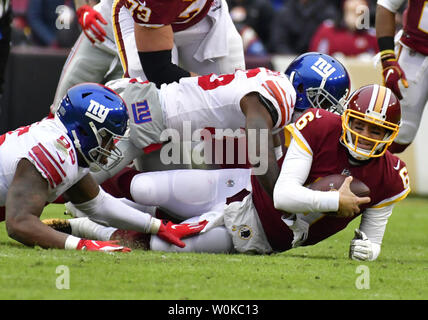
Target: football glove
[
  {"x": 173, "y": 233},
  {"x": 106, "y": 246},
  {"x": 88, "y": 19},
  {"x": 361, "y": 247},
  {"x": 392, "y": 72}
]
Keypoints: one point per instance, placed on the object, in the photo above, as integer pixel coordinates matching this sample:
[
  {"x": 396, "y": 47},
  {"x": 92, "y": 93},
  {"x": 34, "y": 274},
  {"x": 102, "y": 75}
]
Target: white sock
[
  {"x": 147, "y": 209},
  {"x": 87, "y": 229}
]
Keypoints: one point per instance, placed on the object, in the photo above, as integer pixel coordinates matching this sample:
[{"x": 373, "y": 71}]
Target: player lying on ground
[
  {"x": 259, "y": 100},
  {"x": 243, "y": 218},
  {"x": 318, "y": 79},
  {"x": 52, "y": 157}
]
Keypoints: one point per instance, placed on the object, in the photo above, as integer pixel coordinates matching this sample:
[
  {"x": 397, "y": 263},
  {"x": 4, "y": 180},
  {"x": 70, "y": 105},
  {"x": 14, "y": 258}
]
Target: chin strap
[{"x": 92, "y": 166}]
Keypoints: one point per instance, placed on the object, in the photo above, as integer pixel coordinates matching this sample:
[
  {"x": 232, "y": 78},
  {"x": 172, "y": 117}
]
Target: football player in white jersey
[
  {"x": 259, "y": 100},
  {"x": 323, "y": 143},
  {"x": 53, "y": 157},
  {"x": 185, "y": 193}
]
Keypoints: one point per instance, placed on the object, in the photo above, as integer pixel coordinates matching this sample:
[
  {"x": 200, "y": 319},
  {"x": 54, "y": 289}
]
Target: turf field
[{"x": 319, "y": 272}]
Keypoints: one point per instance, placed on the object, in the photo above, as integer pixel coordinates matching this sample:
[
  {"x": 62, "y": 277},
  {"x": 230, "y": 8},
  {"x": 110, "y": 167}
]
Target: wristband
[
  {"x": 154, "y": 226},
  {"x": 71, "y": 243},
  {"x": 386, "y": 43}
]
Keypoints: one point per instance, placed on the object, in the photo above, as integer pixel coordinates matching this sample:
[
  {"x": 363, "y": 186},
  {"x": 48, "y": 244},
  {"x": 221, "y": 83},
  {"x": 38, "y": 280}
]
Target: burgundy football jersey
[
  {"x": 319, "y": 131},
  {"x": 415, "y": 19},
  {"x": 180, "y": 14}
]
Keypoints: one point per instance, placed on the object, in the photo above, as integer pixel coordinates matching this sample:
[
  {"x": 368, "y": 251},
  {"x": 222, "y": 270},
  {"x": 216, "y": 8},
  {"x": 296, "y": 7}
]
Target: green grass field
[{"x": 319, "y": 272}]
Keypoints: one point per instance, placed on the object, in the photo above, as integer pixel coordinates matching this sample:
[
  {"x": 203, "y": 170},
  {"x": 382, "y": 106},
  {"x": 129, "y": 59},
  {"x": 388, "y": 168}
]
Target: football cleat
[
  {"x": 61, "y": 225},
  {"x": 106, "y": 246}
]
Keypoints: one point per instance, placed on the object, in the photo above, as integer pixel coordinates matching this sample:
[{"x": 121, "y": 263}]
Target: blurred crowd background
[
  {"x": 267, "y": 26},
  {"x": 42, "y": 33}
]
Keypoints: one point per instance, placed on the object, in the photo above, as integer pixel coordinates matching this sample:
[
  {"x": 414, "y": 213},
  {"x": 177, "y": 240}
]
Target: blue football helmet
[
  {"x": 320, "y": 81},
  {"x": 94, "y": 117}
]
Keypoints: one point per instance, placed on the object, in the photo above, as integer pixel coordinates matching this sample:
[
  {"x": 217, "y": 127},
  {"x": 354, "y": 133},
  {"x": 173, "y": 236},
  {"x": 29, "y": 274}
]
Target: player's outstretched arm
[
  {"x": 391, "y": 70},
  {"x": 26, "y": 198},
  {"x": 366, "y": 244},
  {"x": 25, "y": 201},
  {"x": 260, "y": 145},
  {"x": 107, "y": 210}
]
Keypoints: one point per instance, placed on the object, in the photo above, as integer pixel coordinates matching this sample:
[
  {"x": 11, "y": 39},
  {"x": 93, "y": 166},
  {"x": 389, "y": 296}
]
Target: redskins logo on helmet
[{"x": 380, "y": 108}]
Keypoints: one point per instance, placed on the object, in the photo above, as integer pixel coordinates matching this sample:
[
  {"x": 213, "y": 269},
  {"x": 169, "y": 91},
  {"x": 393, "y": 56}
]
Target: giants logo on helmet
[
  {"x": 323, "y": 68},
  {"x": 97, "y": 111}
]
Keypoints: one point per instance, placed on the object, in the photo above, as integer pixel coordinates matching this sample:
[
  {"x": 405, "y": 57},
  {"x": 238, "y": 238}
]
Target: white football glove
[{"x": 361, "y": 247}]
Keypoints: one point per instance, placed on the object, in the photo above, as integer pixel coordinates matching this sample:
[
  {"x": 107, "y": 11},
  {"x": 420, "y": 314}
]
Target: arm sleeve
[
  {"x": 391, "y": 5},
  {"x": 109, "y": 211},
  {"x": 373, "y": 223},
  {"x": 289, "y": 193},
  {"x": 159, "y": 69}
]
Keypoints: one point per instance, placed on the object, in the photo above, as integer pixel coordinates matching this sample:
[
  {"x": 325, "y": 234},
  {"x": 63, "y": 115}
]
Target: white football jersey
[
  {"x": 48, "y": 148},
  {"x": 214, "y": 100},
  {"x": 210, "y": 101}
]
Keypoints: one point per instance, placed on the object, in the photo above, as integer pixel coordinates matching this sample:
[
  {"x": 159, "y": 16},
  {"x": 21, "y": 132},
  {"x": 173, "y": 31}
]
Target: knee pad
[{"x": 149, "y": 189}]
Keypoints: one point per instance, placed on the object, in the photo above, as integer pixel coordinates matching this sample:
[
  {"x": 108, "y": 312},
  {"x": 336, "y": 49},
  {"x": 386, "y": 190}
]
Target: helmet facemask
[
  {"x": 321, "y": 98},
  {"x": 351, "y": 138},
  {"x": 106, "y": 155}
]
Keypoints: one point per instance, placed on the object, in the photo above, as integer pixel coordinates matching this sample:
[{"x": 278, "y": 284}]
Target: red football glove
[
  {"x": 88, "y": 18},
  {"x": 392, "y": 72},
  {"x": 172, "y": 233},
  {"x": 106, "y": 246}
]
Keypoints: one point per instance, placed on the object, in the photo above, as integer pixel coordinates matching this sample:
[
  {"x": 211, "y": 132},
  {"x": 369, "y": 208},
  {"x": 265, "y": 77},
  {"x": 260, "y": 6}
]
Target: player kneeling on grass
[{"x": 53, "y": 157}]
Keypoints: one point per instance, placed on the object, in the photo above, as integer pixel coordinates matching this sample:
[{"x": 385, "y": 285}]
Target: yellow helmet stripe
[{"x": 380, "y": 99}]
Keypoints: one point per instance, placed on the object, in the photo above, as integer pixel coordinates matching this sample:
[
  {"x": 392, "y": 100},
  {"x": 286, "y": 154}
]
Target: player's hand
[
  {"x": 106, "y": 246},
  {"x": 88, "y": 18},
  {"x": 392, "y": 72},
  {"x": 361, "y": 247},
  {"x": 173, "y": 233},
  {"x": 349, "y": 203}
]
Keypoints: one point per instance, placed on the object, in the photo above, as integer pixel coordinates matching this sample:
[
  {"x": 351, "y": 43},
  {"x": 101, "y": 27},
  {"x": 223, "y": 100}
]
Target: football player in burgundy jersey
[
  {"x": 405, "y": 69},
  {"x": 175, "y": 39},
  {"x": 53, "y": 157},
  {"x": 257, "y": 100},
  {"x": 354, "y": 144}
]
